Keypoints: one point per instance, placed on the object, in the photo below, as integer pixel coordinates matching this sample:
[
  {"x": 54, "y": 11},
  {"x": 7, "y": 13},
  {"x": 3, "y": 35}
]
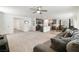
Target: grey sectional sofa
[
  {"x": 45, "y": 47},
  {"x": 60, "y": 44},
  {"x": 4, "y": 47}
]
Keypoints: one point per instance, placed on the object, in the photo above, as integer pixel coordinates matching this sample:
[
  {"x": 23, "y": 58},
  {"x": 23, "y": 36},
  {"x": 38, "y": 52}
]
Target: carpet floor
[{"x": 25, "y": 41}]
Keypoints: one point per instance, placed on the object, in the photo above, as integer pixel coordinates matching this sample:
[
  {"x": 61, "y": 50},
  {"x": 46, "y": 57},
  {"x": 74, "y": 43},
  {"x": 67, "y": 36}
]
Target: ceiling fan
[{"x": 38, "y": 9}]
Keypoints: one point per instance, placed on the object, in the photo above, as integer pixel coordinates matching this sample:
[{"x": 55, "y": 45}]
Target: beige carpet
[{"x": 25, "y": 41}]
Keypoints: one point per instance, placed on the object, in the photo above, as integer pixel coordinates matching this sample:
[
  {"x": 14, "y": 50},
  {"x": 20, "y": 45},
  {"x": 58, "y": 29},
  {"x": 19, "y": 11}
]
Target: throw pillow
[
  {"x": 68, "y": 33},
  {"x": 58, "y": 44}
]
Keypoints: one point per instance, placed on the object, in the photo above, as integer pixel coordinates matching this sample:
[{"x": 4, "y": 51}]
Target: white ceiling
[{"x": 26, "y": 11}]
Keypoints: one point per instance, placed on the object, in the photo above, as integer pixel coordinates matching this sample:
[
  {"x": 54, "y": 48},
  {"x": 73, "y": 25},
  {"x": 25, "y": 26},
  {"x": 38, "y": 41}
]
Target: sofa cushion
[
  {"x": 1, "y": 37},
  {"x": 45, "y": 47},
  {"x": 75, "y": 32},
  {"x": 76, "y": 36},
  {"x": 73, "y": 46},
  {"x": 3, "y": 40},
  {"x": 59, "y": 44}
]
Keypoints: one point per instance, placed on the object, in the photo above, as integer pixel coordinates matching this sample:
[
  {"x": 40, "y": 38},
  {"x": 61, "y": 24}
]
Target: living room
[{"x": 32, "y": 28}]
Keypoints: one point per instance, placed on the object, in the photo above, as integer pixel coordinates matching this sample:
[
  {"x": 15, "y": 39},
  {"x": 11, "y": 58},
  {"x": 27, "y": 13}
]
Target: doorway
[{"x": 18, "y": 25}]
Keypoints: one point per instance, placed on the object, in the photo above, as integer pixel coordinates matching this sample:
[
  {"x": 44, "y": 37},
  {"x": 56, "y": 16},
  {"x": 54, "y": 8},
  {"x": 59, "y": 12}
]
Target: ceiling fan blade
[
  {"x": 32, "y": 9},
  {"x": 44, "y": 10},
  {"x": 34, "y": 12},
  {"x": 40, "y": 12},
  {"x": 38, "y": 9}
]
